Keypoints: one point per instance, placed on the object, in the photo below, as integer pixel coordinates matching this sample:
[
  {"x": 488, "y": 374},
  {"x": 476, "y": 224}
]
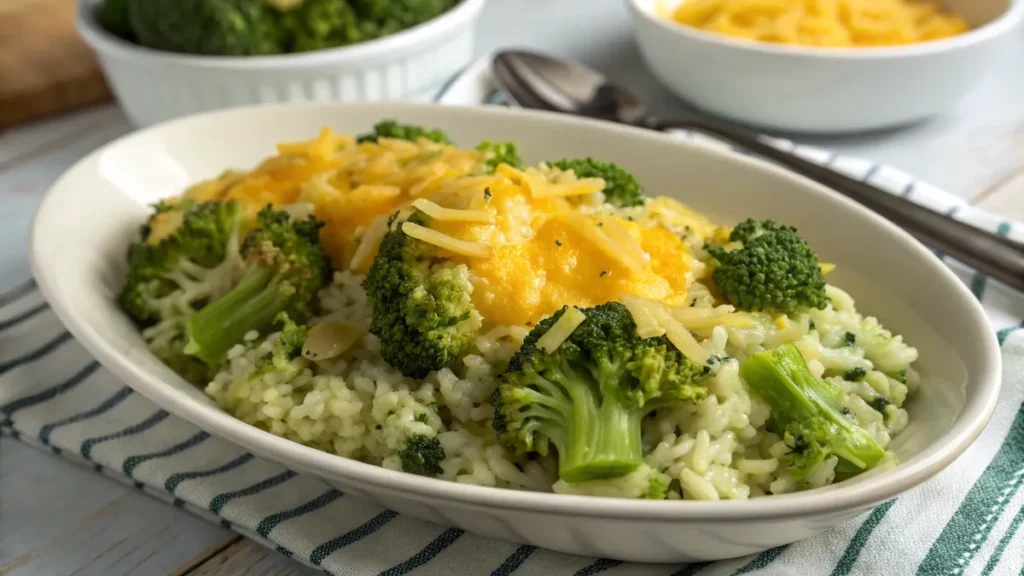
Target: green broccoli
[
  {"x": 187, "y": 255},
  {"x": 195, "y": 259},
  {"x": 749, "y": 229},
  {"x": 319, "y": 24},
  {"x": 774, "y": 270},
  {"x": 260, "y": 27},
  {"x": 497, "y": 153},
  {"x": 807, "y": 412},
  {"x": 855, "y": 375},
  {"x": 422, "y": 455},
  {"x": 382, "y": 17},
  {"x": 621, "y": 188},
  {"x": 589, "y": 396},
  {"x": 283, "y": 270},
  {"x": 879, "y": 403},
  {"x": 287, "y": 347},
  {"x": 392, "y": 129},
  {"x": 212, "y": 27},
  {"x": 113, "y": 17},
  {"x": 422, "y": 311}
]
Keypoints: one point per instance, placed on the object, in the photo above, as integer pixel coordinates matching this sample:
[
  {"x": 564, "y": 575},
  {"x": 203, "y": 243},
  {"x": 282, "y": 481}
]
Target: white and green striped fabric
[{"x": 54, "y": 396}]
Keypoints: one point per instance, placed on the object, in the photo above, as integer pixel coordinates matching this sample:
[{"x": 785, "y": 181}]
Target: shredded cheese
[
  {"x": 826, "y": 268},
  {"x": 325, "y": 145},
  {"x": 563, "y": 190},
  {"x": 470, "y": 249},
  {"x": 452, "y": 215},
  {"x": 704, "y": 318},
  {"x": 589, "y": 230},
  {"x": 369, "y": 245},
  {"x": 646, "y": 325},
  {"x": 679, "y": 335},
  {"x": 374, "y": 192},
  {"x": 540, "y": 186},
  {"x": 622, "y": 238},
  {"x": 563, "y": 328},
  {"x": 300, "y": 210},
  {"x": 330, "y": 339}
]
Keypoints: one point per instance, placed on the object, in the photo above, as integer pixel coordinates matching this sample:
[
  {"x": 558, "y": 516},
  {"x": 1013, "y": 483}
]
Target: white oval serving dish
[
  {"x": 823, "y": 90},
  {"x": 413, "y": 64},
  {"x": 87, "y": 219}
]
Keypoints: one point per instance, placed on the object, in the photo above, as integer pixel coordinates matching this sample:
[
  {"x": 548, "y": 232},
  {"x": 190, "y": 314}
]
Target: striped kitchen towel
[{"x": 54, "y": 396}]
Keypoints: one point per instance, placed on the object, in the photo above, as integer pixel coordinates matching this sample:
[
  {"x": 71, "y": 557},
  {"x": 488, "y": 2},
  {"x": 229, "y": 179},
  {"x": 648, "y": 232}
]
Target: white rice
[{"x": 359, "y": 407}]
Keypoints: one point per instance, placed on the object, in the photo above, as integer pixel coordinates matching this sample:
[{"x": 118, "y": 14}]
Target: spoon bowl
[{"x": 537, "y": 81}]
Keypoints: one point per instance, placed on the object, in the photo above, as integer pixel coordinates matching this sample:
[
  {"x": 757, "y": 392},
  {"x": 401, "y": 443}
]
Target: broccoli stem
[
  {"x": 602, "y": 437},
  {"x": 808, "y": 406},
  {"x": 252, "y": 304},
  {"x": 612, "y": 445}
]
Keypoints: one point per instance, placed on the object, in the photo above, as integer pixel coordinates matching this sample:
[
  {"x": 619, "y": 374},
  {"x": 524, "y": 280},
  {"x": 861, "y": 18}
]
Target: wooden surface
[
  {"x": 45, "y": 68},
  {"x": 57, "y": 519}
]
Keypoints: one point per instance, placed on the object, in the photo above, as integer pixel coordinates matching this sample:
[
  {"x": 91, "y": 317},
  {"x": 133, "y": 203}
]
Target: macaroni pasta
[{"x": 822, "y": 22}]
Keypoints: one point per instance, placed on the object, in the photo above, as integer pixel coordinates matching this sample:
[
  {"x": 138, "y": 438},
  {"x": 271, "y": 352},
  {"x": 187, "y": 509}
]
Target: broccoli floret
[
  {"x": 213, "y": 27},
  {"x": 621, "y": 188},
  {"x": 750, "y": 229},
  {"x": 806, "y": 410},
  {"x": 422, "y": 311},
  {"x": 283, "y": 270},
  {"x": 259, "y": 27},
  {"x": 589, "y": 396},
  {"x": 392, "y": 129},
  {"x": 382, "y": 17},
  {"x": 774, "y": 270},
  {"x": 187, "y": 254},
  {"x": 497, "y": 153},
  {"x": 113, "y": 17},
  {"x": 422, "y": 455},
  {"x": 287, "y": 347},
  {"x": 319, "y": 24}
]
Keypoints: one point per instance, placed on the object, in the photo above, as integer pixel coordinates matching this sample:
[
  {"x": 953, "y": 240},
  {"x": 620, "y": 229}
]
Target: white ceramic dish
[
  {"x": 79, "y": 264},
  {"x": 817, "y": 90},
  {"x": 154, "y": 86}
]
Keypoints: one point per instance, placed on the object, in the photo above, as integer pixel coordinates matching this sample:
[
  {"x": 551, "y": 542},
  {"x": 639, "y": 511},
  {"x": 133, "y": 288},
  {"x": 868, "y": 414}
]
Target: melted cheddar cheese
[
  {"x": 534, "y": 240},
  {"x": 541, "y": 261}
]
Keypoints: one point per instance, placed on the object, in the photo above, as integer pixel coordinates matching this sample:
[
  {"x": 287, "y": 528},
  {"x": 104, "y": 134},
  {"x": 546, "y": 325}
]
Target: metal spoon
[{"x": 532, "y": 80}]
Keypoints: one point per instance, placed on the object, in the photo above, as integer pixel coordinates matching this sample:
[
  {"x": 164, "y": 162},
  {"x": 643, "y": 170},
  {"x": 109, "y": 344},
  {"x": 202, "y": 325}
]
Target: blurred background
[{"x": 56, "y": 104}]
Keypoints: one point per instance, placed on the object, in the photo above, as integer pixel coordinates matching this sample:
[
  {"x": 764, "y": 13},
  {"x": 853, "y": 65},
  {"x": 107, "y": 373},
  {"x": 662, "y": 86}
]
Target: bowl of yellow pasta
[{"x": 822, "y": 66}]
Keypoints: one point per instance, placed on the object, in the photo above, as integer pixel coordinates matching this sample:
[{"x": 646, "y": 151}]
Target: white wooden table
[{"x": 58, "y": 519}]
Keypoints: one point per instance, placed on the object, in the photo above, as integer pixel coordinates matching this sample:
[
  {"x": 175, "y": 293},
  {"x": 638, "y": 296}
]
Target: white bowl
[
  {"x": 80, "y": 264},
  {"x": 154, "y": 86},
  {"x": 822, "y": 90}
]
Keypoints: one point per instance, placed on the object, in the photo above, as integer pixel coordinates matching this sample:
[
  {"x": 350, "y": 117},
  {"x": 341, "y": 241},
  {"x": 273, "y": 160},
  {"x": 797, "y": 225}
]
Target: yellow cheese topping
[
  {"x": 534, "y": 240},
  {"x": 547, "y": 253}
]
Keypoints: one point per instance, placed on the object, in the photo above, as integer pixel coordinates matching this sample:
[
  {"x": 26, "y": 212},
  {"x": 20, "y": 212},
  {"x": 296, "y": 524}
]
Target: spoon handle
[{"x": 989, "y": 253}]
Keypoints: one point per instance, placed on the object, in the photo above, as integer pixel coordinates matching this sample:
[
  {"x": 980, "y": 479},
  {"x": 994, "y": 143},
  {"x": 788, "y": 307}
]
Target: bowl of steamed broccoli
[
  {"x": 571, "y": 334},
  {"x": 171, "y": 58}
]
